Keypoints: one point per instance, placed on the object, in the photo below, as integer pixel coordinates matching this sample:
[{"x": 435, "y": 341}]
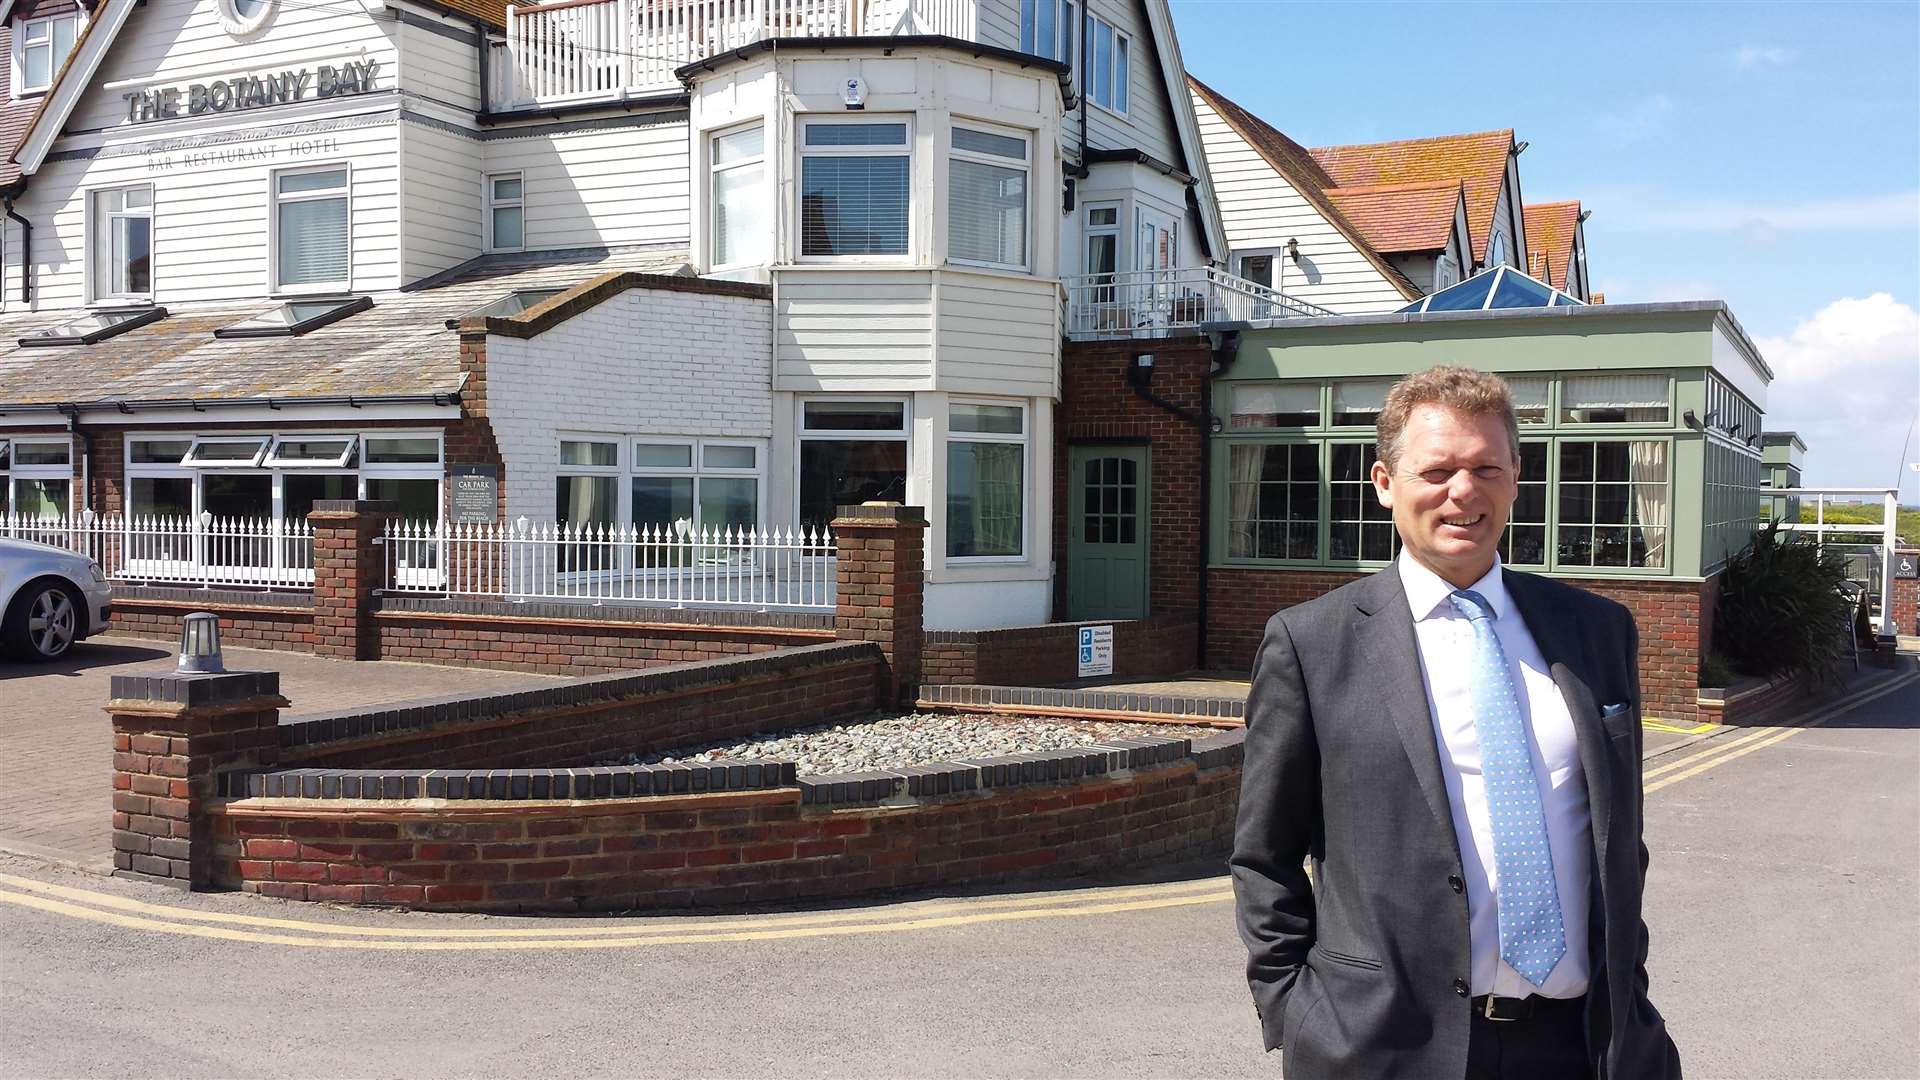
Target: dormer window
[{"x": 40, "y": 46}]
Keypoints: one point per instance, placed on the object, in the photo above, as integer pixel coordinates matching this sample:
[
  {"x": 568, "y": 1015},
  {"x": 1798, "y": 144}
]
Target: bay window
[
  {"x": 987, "y": 200},
  {"x": 851, "y": 451},
  {"x": 311, "y": 231},
  {"x": 741, "y": 230},
  {"x": 1109, "y": 65},
  {"x": 855, "y": 187},
  {"x": 120, "y": 228},
  {"x": 986, "y": 480},
  {"x": 506, "y": 212}
]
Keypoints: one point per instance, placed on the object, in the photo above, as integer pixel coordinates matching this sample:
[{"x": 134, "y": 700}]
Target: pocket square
[{"x": 1613, "y": 710}]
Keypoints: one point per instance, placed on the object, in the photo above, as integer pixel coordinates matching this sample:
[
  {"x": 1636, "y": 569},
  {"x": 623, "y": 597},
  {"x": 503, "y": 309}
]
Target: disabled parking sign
[{"x": 1096, "y": 651}]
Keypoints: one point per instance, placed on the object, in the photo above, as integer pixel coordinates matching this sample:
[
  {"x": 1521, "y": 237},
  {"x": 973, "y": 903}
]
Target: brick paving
[{"x": 56, "y": 750}]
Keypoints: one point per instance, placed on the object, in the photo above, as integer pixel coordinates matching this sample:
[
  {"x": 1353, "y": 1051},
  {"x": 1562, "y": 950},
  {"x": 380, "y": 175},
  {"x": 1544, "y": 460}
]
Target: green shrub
[
  {"x": 1716, "y": 671},
  {"x": 1781, "y": 613}
]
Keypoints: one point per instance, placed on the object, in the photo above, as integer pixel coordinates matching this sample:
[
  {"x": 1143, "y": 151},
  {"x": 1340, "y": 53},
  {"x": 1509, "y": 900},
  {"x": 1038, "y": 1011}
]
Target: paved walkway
[{"x": 56, "y": 750}]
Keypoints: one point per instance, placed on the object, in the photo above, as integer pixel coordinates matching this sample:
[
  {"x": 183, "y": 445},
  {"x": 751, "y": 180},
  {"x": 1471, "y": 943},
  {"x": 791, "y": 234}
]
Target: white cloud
[
  {"x": 1645, "y": 118},
  {"x": 1848, "y": 380},
  {"x": 1864, "y": 213},
  {"x": 1753, "y": 56}
]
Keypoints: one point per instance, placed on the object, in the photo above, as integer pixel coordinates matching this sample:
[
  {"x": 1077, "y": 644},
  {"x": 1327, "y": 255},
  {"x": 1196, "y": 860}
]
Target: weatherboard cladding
[{"x": 400, "y": 346}]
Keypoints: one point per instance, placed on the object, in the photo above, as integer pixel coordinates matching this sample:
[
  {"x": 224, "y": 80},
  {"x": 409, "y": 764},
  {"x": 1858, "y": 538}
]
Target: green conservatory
[{"x": 1640, "y": 426}]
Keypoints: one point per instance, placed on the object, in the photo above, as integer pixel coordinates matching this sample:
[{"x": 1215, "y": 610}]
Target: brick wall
[
  {"x": 1906, "y": 598},
  {"x": 1098, "y": 405},
  {"x": 1669, "y": 614},
  {"x": 245, "y": 623},
  {"x": 1045, "y": 655},
  {"x": 715, "y": 849},
  {"x": 596, "y": 719},
  {"x": 571, "y": 646}
]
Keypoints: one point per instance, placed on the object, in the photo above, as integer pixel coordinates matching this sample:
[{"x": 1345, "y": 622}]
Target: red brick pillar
[
  {"x": 881, "y": 559},
  {"x": 348, "y": 568},
  {"x": 172, "y": 737},
  {"x": 1906, "y": 593}
]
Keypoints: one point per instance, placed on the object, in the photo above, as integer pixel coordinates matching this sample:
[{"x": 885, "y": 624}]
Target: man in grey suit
[{"x": 1457, "y": 748}]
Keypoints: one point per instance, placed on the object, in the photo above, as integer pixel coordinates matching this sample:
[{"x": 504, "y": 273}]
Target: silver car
[{"x": 51, "y": 598}]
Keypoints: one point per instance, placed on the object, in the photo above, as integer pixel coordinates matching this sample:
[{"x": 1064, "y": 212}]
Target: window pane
[
  {"x": 40, "y": 498},
  {"x": 508, "y": 227},
  {"x": 249, "y": 496},
  {"x": 589, "y": 453},
  {"x": 1529, "y": 399},
  {"x": 326, "y": 180},
  {"x": 987, "y": 213},
  {"x": 169, "y": 498},
  {"x": 299, "y": 491},
  {"x": 158, "y": 451},
  {"x": 1271, "y": 406},
  {"x": 242, "y": 452},
  {"x": 662, "y": 456},
  {"x": 727, "y": 457},
  {"x": 742, "y": 145},
  {"x": 663, "y": 504},
  {"x": 1103, "y": 252},
  {"x": 1120, "y": 74},
  {"x": 37, "y": 72},
  {"x": 402, "y": 451},
  {"x": 133, "y": 255},
  {"x": 419, "y": 499},
  {"x": 1614, "y": 399},
  {"x": 45, "y": 453},
  {"x": 309, "y": 450},
  {"x": 854, "y": 416},
  {"x": 1257, "y": 269},
  {"x": 585, "y": 500},
  {"x": 986, "y": 142},
  {"x": 1356, "y": 403},
  {"x": 729, "y": 502},
  {"x": 740, "y": 228},
  {"x": 1103, "y": 215},
  {"x": 62, "y": 38},
  {"x": 985, "y": 496},
  {"x": 1273, "y": 501},
  {"x": 856, "y": 134},
  {"x": 999, "y": 419},
  {"x": 1102, "y": 63},
  {"x": 506, "y": 188},
  {"x": 313, "y": 241},
  {"x": 837, "y": 473},
  {"x": 853, "y": 205}
]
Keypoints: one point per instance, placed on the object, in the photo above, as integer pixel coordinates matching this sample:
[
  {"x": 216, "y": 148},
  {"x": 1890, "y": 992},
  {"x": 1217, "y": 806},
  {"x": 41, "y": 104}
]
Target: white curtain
[
  {"x": 1614, "y": 392},
  {"x": 1243, "y": 501},
  {"x": 1258, "y": 406},
  {"x": 1647, "y": 462}
]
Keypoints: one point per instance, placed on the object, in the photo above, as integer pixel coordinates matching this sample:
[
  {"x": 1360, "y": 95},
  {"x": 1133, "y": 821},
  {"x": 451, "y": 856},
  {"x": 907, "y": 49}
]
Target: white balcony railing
[
  {"x": 204, "y": 551},
  {"x": 583, "y": 50},
  {"x": 759, "y": 569},
  {"x": 1147, "y": 302}
]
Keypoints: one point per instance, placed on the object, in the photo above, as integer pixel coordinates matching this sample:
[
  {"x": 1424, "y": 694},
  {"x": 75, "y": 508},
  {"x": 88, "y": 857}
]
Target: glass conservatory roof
[{"x": 1489, "y": 290}]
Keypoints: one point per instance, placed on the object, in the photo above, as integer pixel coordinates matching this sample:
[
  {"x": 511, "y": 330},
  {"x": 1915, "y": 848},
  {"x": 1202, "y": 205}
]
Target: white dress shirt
[{"x": 1445, "y": 639}]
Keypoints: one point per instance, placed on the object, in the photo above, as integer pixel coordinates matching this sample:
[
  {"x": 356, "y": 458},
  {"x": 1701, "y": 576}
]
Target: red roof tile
[
  {"x": 1477, "y": 161},
  {"x": 1401, "y": 218},
  {"x": 1552, "y": 230}
]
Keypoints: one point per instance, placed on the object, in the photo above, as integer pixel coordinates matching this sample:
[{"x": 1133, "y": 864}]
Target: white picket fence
[
  {"x": 759, "y": 569},
  {"x": 588, "y": 49},
  {"x": 204, "y": 551}
]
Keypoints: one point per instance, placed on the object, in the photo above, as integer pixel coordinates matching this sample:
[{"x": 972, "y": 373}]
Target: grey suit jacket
[{"x": 1363, "y": 973}]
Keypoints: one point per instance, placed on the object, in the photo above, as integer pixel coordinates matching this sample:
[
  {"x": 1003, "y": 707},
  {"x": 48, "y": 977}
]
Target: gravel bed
[{"x": 914, "y": 739}]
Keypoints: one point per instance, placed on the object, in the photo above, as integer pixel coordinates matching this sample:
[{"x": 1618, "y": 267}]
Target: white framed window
[
  {"x": 40, "y": 47},
  {"x": 241, "y": 17},
  {"x": 506, "y": 212},
  {"x": 986, "y": 480},
  {"x": 225, "y": 453},
  {"x": 695, "y": 487},
  {"x": 312, "y": 452},
  {"x": 1109, "y": 66},
  {"x": 741, "y": 230},
  {"x": 1048, "y": 27},
  {"x": 120, "y": 231},
  {"x": 987, "y": 197},
  {"x": 587, "y": 488},
  {"x": 1446, "y": 272},
  {"x": 1497, "y": 249},
  {"x": 852, "y": 450},
  {"x": 36, "y": 478},
  {"x": 312, "y": 244},
  {"x": 856, "y": 188},
  {"x": 1257, "y": 265}
]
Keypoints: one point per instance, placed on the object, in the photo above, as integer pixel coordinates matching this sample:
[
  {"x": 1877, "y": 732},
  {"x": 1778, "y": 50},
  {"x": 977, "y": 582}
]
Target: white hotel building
[{"x": 726, "y": 261}]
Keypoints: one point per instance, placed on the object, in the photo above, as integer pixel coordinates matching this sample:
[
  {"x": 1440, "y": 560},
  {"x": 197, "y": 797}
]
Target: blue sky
[{"x": 1764, "y": 154}]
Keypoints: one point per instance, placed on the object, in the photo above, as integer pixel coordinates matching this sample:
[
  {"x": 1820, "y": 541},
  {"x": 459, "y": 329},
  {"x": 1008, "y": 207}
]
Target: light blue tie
[{"x": 1532, "y": 938}]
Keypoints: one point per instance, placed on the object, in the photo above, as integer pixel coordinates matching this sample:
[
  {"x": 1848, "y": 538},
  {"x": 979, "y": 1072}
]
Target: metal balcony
[{"x": 1152, "y": 303}]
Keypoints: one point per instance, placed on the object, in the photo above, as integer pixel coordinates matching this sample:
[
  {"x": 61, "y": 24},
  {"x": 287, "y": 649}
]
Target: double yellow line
[
  {"x": 1719, "y": 753},
  {"x": 131, "y": 914}
]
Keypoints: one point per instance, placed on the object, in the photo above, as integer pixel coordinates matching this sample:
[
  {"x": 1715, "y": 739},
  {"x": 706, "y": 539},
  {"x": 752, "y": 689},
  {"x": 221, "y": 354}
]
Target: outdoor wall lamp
[
  {"x": 1140, "y": 372},
  {"x": 1293, "y": 249},
  {"x": 1690, "y": 420},
  {"x": 200, "y": 645}
]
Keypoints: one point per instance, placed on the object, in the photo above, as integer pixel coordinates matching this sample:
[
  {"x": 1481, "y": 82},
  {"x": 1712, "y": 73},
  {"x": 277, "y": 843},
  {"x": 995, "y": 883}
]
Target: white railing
[
  {"x": 786, "y": 570},
  {"x": 1879, "y": 539},
  {"x": 204, "y": 551},
  {"x": 581, "y": 50},
  {"x": 1152, "y": 301}
]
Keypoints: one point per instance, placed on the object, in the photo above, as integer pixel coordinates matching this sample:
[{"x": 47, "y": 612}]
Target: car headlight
[{"x": 99, "y": 575}]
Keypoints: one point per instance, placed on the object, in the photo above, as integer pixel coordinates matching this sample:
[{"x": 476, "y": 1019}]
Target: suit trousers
[{"x": 1550, "y": 1045}]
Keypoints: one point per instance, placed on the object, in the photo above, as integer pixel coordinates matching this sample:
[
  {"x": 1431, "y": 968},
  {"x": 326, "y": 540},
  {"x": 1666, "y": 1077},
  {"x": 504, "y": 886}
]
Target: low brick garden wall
[
  {"x": 248, "y": 619},
  {"x": 1046, "y": 654}
]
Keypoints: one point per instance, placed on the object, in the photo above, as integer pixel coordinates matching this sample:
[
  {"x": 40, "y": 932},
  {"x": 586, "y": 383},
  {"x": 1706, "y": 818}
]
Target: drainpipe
[
  {"x": 486, "y": 48},
  {"x": 86, "y": 456},
  {"x": 26, "y": 253},
  {"x": 1225, "y": 347}
]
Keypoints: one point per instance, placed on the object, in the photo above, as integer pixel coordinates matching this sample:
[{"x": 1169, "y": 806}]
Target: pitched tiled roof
[
  {"x": 1296, "y": 164},
  {"x": 399, "y": 346},
  {"x": 1402, "y": 218},
  {"x": 1552, "y": 229},
  {"x": 1478, "y": 161}
]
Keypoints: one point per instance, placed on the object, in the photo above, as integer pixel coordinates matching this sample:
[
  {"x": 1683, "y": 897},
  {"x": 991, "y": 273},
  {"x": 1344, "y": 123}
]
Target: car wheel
[{"x": 44, "y": 621}]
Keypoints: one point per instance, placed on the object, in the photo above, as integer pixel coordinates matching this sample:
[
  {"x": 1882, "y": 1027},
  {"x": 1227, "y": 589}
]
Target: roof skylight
[
  {"x": 96, "y": 326},
  {"x": 1492, "y": 290},
  {"x": 295, "y": 317},
  {"x": 508, "y": 306}
]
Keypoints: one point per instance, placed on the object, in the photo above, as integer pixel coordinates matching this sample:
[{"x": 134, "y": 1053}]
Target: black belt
[{"x": 1490, "y": 1007}]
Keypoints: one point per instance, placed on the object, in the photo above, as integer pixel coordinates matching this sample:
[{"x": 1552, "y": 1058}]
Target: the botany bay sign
[{"x": 252, "y": 91}]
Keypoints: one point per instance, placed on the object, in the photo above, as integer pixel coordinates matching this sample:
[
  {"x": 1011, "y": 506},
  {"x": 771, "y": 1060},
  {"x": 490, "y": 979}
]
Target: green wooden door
[{"x": 1107, "y": 556}]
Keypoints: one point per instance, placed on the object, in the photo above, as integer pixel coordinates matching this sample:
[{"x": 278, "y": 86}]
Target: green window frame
[
  {"x": 1273, "y": 491},
  {"x": 1613, "y": 503},
  {"x": 1359, "y": 530}
]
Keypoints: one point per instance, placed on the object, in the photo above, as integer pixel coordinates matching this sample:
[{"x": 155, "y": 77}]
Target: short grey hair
[{"x": 1465, "y": 390}]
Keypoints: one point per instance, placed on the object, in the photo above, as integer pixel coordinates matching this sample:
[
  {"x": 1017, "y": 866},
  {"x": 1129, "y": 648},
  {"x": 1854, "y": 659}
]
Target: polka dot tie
[{"x": 1532, "y": 938}]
